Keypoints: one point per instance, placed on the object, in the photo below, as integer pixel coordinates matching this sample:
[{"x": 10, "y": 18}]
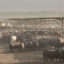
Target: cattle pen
[{"x": 34, "y": 40}]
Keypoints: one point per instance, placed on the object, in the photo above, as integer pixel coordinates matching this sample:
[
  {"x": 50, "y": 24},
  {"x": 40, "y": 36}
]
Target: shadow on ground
[{"x": 29, "y": 63}]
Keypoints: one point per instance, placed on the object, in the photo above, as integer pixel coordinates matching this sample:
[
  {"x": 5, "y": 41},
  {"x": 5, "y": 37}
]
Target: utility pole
[{"x": 62, "y": 25}]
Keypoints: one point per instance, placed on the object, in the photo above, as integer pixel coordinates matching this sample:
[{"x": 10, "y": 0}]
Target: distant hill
[{"x": 41, "y": 14}]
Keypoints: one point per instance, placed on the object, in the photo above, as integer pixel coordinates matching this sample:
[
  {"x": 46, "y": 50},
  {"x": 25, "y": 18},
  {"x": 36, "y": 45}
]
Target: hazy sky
[{"x": 31, "y": 5}]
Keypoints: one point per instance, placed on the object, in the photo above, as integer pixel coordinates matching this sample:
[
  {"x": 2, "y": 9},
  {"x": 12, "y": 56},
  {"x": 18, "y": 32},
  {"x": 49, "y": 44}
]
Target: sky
[{"x": 31, "y": 5}]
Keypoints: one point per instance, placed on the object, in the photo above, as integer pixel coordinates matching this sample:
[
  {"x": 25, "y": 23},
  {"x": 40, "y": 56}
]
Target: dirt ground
[{"x": 32, "y": 57}]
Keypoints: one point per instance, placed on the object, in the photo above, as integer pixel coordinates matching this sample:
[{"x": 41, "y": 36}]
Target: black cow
[
  {"x": 50, "y": 55},
  {"x": 18, "y": 47},
  {"x": 43, "y": 42}
]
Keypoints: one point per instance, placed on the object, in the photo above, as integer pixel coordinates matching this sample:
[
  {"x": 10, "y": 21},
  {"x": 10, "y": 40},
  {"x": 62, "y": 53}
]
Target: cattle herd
[{"x": 21, "y": 41}]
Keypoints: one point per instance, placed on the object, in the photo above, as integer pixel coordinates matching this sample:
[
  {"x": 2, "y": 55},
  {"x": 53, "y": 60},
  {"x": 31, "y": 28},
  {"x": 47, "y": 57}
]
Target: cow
[{"x": 14, "y": 44}]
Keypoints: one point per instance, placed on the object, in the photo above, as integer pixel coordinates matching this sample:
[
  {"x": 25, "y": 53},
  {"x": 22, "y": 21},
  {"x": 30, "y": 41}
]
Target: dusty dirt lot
[
  {"x": 22, "y": 58},
  {"x": 32, "y": 57}
]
